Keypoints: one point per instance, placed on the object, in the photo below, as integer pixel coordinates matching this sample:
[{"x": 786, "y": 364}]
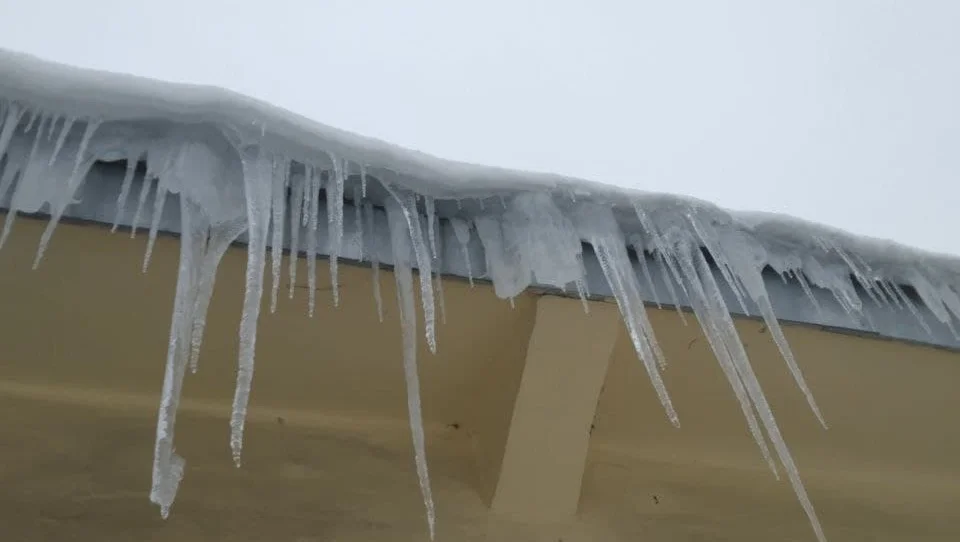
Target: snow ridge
[{"x": 232, "y": 178}]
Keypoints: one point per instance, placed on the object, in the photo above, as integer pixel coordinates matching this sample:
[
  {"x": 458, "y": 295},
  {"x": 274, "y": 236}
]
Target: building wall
[{"x": 328, "y": 454}]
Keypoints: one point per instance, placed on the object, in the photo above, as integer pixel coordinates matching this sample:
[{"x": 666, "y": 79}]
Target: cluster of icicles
[{"x": 228, "y": 187}]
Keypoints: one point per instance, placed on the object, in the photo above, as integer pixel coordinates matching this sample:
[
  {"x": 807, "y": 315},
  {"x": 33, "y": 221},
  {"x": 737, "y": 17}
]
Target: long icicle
[
  {"x": 167, "y": 465},
  {"x": 401, "y": 237},
  {"x": 279, "y": 191},
  {"x": 721, "y": 314},
  {"x": 335, "y": 223},
  {"x": 297, "y": 191},
  {"x": 257, "y": 182}
]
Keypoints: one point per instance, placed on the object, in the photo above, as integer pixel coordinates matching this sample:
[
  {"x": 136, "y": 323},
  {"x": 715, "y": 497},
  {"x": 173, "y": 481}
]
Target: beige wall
[{"x": 328, "y": 455}]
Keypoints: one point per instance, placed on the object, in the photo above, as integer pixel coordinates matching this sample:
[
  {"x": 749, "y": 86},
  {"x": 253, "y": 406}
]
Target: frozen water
[
  {"x": 231, "y": 170},
  {"x": 400, "y": 239}
]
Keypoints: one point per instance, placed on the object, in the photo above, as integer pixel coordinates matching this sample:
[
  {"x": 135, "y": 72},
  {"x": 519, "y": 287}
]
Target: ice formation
[{"x": 221, "y": 166}]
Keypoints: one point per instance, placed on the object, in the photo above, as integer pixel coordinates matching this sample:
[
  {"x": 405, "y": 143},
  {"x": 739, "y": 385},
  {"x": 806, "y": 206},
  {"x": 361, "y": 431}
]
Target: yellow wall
[{"x": 328, "y": 454}]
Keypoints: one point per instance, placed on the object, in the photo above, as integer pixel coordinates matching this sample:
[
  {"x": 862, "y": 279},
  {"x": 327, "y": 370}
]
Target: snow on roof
[{"x": 233, "y": 166}]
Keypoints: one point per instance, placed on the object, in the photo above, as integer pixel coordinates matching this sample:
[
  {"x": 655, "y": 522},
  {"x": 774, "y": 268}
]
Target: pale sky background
[{"x": 845, "y": 112}]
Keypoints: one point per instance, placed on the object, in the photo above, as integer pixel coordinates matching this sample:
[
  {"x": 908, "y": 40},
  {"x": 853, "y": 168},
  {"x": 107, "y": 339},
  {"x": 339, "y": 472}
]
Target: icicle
[
  {"x": 67, "y": 125},
  {"x": 141, "y": 201},
  {"x": 297, "y": 191},
  {"x": 400, "y": 236},
  {"x": 10, "y": 122},
  {"x": 34, "y": 115},
  {"x": 314, "y": 181},
  {"x": 748, "y": 271},
  {"x": 257, "y": 183},
  {"x": 431, "y": 225},
  {"x": 723, "y": 354},
  {"x": 645, "y": 269},
  {"x": 125, "y": 190},
  {"x": 597, "y": 225},
  {"x": 363, "y": 181},
  {"x": 461, "y": 229},
  {"x": 159, "y": 199},
  {"x": 671, "y": 291},
  {"x": 719, "y": 316},
  {"x": 59, "y": 204},
  {"x": 582, "y": 292},
  {"x": 167, "y": 465},
  {"x": 25, "y": 184},
  {"x": 220, "y": 238},
  {"x": 335, "y": 220},
  {"x": 408, "y": 205},
  {"x": 358, "y": 218},
  {"x": 912, "y": 308},
  {"x": 374, "y": 257},
  {"x": 798, "y": 274},
  {"x": 281, "y": 171},
  {"x": 438, "y": 280}
]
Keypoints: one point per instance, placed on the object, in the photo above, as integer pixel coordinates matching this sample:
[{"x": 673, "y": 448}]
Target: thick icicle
[
  {"x": 257, "y": 182},
  {"x": 374, "y": 256},
  {"x": 167, "y": 465},
  {"x": 400, "y": 237},
  {"x": 279, "y": 192},
  {"x": 335, "y": 222},
  {"x": 298, "y": 188}
]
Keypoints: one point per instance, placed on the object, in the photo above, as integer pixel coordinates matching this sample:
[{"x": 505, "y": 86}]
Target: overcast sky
[{"x": 845, "y": 112}]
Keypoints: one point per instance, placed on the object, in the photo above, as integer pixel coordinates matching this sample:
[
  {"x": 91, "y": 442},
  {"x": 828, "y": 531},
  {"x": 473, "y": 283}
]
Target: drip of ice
[
  {"x": 281, "y": 171},
  {"x": 298, "y": 188},
  {"x": 335, "y": 220},
  {"x": 167, "y": 465},
  {"x": 461, "y": 230},
  {"x": 312, "y": 199},
  {"x": 597, "y": 226},
  {"x": 408, "y": 204},
  {"x": 160, "y": 198},
  {"x": 125, "y": 186},
  {"x": 358, "y": 219},
  {"x": 141, "y": 201},
  {"x": 720, "y": 330},
  {"x": 62, "y": 196},
  {"x": 257, "y": 182},
  {"x": 431, "y": 225},
  {"x": 401, "y": 236},
  {"x": 374, "y": 257}
]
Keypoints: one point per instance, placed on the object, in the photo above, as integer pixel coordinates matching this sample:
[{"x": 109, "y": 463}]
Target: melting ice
[{"x": 226, "y": 186}]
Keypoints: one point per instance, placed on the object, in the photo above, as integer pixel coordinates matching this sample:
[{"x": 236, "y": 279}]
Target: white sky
[{"x": 845, "y": 112}]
